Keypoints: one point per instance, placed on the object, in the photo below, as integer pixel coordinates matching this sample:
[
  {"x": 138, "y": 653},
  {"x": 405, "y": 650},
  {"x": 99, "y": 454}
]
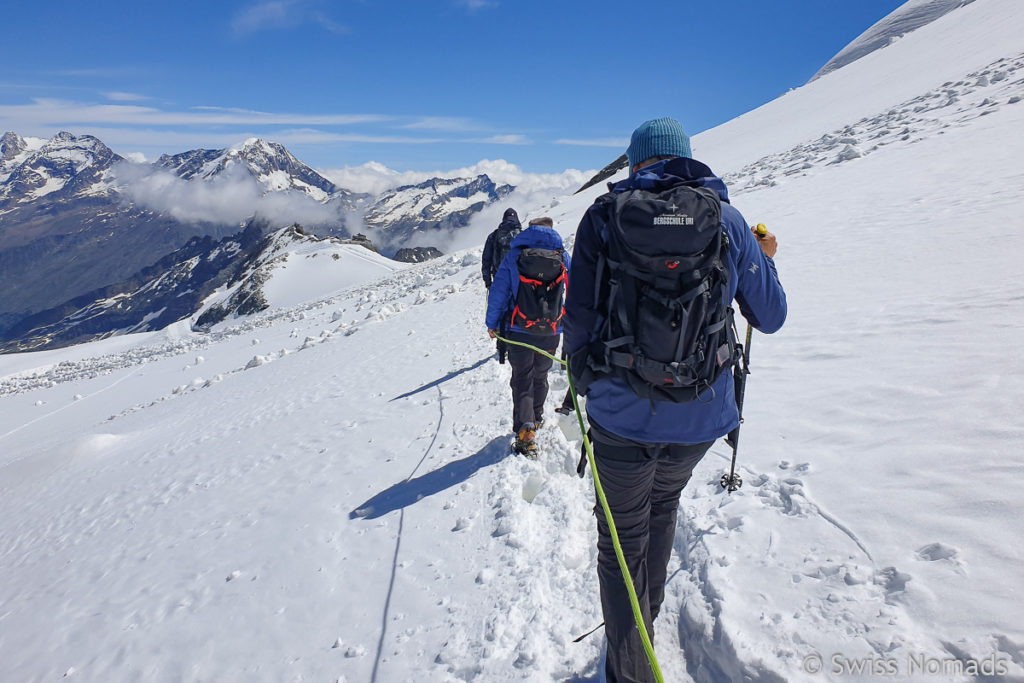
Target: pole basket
[{"x": 731, "y": 482}]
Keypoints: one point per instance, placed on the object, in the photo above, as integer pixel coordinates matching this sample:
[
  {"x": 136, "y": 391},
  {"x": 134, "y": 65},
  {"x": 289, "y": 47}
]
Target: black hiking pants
[
  {"x": 642, "y": 484},
  {"x": 529, "y": 379}
]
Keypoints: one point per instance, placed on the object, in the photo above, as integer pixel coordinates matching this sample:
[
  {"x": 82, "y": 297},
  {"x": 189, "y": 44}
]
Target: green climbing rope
[{"x": 633, "y": 601}]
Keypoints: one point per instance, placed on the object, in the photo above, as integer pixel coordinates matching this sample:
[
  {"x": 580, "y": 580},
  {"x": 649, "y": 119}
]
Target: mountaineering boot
[
  {"x": 525, "y": 444},
  {"x": 568, "y": 406}
]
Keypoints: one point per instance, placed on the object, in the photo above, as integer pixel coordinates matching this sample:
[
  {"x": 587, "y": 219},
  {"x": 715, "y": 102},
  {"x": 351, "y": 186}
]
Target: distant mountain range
[
  {"x": 208, "y": 279},
  {"x": 78, "y": 221},
  {"x": 409, "y": 215}
]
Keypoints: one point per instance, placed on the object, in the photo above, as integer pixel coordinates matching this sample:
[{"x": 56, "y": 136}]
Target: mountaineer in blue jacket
[
  {"x": 516, "y": 314},
  {"x": 645, "y": 450}
]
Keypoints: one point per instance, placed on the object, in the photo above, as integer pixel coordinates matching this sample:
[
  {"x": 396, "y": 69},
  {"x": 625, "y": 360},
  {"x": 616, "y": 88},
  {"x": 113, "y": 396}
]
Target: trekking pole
[{"x": 733, "y": 481}]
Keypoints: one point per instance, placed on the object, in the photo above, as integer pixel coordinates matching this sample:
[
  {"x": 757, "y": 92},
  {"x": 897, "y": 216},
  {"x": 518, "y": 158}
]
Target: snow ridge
[{"x": 910, "y": 16}]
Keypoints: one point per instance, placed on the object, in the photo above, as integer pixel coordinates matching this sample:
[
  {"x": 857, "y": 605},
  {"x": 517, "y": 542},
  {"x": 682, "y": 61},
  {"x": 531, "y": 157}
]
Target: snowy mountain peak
[
  {"x": 259, "y": 146},
  {"x": 269, "y": 163},
  {"x": 65, "y": 137},
  {"x": 438, "y": 204},
  {"x": 65, "y": 166},
  {"x": 11, "y": 145},
  {"x": 64, "y": 144}
]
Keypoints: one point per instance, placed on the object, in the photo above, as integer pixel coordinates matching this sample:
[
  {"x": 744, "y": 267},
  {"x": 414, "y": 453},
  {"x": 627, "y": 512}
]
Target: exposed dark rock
[
  {"x": 417, "y": 254},
  {"x": 363, "y": 241},
  {"x": 606, "y": 172},
  {"x": 160, "y": 294}
]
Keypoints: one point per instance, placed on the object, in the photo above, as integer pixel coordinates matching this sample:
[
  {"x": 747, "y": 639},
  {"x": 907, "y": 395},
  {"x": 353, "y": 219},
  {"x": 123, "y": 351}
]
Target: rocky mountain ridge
[
  {"x": 208, "y": 279},
  {"x": 72, "y": 223},
  {"x": 412, "y": 215}
]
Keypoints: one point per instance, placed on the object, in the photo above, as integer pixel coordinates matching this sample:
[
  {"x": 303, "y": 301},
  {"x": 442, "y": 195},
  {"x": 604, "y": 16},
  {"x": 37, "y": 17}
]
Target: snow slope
[
  {"x": 293, "y": 268},
  {"x": 960, "y": 42},
  {"x": 910, "y": 16},
  {"x": 323, "y": 491}
]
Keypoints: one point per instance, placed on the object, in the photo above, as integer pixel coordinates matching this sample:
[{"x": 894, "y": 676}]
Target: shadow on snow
[
  {"x": 405, "y": 493},
  {"x": 451, "y": 375}
]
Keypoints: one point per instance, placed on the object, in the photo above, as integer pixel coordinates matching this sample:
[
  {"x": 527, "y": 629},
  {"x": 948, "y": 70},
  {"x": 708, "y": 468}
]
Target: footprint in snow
[
  {"x": 893, "y": 581},
  {"x": 937, "y": 551},
  {"x": 940, "y": 552}
]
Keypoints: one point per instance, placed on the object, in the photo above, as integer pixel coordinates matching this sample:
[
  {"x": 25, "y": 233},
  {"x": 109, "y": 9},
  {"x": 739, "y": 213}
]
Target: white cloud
[
  {"x": 371, "y": 177},
  {"x": 329, "y": 24},
  {"x": 621, "y": 143},
  {"x": 137, "y": 157},
  {"x": 312, "y": 135},
  {"x": 125, "y": 96},
  {"x": 282, "y": 14},
  {"x": 507, "y": 140},
  {"x": 533, "y": 195},
  {"x": 532, "y": 199},
  {"x": 374, "y": 178},
  {"x": 450, "y": 123},
  {"x": 231, "y": 198},
  {"x": 67, "y": 113},
  {"x": 278, "y": 14},
  {"x": 287, "y": 137},
  {"x": 475, "y": 5},
  {"x": 534, "y": 192},
  {"x": 126, "y": 122}
]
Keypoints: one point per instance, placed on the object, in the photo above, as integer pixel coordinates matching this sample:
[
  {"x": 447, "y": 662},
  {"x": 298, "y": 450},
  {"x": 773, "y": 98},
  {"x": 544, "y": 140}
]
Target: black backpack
[
  {"x": 539, "y": 302},
  {"x": 502, "y": 244},
  {"x": 667, "y": 329}
]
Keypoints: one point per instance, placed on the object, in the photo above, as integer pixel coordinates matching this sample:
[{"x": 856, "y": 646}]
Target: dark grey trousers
[
  {"x": 529, "y": 380},
  {"x": 642, "y": 485}
]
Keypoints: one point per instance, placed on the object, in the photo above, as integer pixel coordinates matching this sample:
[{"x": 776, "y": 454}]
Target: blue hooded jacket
[
  {"x": 611, "y": 404},
  {"x": 501, "y": 300}
]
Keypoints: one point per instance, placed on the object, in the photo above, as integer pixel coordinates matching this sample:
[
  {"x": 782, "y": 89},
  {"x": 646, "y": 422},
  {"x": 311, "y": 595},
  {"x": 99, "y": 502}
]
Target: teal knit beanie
[{"x": 655, "y": 138}]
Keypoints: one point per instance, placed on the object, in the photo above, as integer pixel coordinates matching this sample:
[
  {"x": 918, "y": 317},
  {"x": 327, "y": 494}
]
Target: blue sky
[{"x": 412, "y": 84}]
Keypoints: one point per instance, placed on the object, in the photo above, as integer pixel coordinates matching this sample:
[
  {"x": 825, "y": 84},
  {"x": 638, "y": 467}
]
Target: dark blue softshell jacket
[
  {"x": 502, "y": 297},
  {"x": 755, "y": 286},
  {"x": 487, "y": 264}
]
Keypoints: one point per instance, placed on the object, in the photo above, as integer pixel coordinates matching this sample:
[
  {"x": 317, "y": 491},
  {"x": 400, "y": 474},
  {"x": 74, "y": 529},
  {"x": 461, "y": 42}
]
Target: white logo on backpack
[{"x": 673, "y": 219}]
